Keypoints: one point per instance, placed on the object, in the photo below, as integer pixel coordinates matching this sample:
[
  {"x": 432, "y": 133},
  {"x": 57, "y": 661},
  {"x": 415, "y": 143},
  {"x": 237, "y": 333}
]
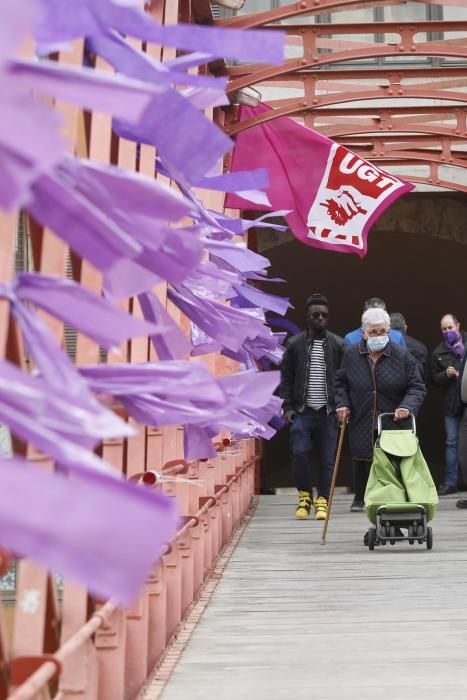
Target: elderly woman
[{"x": 376, "y": 376}]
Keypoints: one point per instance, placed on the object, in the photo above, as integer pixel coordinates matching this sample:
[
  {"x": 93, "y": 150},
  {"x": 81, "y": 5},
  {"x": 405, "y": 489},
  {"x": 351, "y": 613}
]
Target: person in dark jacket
[
  {"x": 356, "y": 335},
  {"x": 308, "y": 371},
  {"x": 418, "y": 349},
  {"x": 376, "y": 376},
  {"x": 445, "y": 364},
  {"x": 460, "y": 410}
]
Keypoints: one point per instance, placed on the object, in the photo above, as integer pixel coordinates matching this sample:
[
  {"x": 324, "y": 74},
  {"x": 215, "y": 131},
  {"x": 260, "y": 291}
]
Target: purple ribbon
[{"x": 103, "y": 533}]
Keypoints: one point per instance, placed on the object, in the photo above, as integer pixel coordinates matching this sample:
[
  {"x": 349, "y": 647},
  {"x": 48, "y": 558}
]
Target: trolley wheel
[
  {"x": 420, "y": 531},
  {"x": 371, "y": 538},
  {"x": 392, "y": 533},
  {"x": 429, "y": 538},
  {"x": 410, "y": 533}
]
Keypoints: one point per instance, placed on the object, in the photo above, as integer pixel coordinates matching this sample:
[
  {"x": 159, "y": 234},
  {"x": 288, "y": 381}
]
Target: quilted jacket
[{"x": 369, "y": 389}]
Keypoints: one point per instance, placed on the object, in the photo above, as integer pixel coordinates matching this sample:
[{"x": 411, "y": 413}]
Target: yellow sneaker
[
  {"x": 321, "y": 508},
  {"x": 304, "y": 505}
]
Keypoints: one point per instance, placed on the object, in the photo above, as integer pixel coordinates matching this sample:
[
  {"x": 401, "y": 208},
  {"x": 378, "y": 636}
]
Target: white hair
[{"x": 374, "y": 316}]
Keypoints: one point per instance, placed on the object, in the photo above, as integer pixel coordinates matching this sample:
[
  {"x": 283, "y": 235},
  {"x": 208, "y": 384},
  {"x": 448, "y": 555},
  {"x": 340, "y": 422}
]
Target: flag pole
[{"x": 334, "y": 479}]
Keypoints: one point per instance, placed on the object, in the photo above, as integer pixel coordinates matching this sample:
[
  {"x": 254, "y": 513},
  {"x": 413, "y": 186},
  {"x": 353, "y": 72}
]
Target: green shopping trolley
[{"x": 400, "y": 493}]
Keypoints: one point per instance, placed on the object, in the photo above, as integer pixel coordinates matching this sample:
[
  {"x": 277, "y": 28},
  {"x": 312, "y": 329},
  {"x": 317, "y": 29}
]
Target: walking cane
[{"x": 334, "y": 479}]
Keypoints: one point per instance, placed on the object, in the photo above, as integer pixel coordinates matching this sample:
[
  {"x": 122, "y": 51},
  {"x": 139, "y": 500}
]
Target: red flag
[{"x": 333, "y": 195}]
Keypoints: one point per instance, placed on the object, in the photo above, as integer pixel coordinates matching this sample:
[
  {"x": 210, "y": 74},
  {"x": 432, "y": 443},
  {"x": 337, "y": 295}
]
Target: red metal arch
[
  {"x": 378, "y": 113},
  {"x": 406, "y": 46},
  {"x": 316, "y": 7},
  {"x": 378, "y": 121},
  {"x": 412, "y": 158},
  {"x": 438, "y": 182},
  {"x": 343, "y": 132},
  {"x": 433, "y": 179},
  {"x": 343, "y": 97}
]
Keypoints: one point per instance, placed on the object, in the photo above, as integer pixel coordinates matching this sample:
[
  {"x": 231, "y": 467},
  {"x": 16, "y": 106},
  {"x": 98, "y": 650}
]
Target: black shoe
[
  {"x": 357, "y": 506},
  {"x": 461, "y": 503},
  {"x": 446, "y": 490}
]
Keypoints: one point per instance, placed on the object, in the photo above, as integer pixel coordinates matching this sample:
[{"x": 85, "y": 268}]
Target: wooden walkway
[{"x": 294, "y": 619}]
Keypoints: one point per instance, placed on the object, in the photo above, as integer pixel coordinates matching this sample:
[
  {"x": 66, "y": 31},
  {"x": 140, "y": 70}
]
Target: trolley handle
[{"x": 381, "y": 415}]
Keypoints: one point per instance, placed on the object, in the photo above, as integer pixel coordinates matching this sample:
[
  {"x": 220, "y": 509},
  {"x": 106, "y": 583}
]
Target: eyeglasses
[
  {"x": 375, "y": 334},
  {"x": 317, "y": 314}
]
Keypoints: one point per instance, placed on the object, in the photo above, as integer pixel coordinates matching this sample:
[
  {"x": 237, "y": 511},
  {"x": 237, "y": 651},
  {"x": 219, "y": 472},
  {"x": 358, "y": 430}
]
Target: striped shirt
[{"x": 316, "y": 395}]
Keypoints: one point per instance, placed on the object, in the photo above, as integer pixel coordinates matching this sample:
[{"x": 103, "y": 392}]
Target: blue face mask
[{"x": 377, "y": 344}]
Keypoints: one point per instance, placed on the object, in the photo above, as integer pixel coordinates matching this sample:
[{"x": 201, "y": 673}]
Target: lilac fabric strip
[
  {"x": 239, "y": 258},
  {"x": 81, "y": 309},
  {"x": 170, "y": 259},
  {"x": 170, "y": 343},
  {"x": 17, "y": 23},
  {"x": 237, "y": 182},
  {"x": 197, "y": 444},
  {"x": 190, "y": 381},
  {"x": 227, "y": 325},
  {"x": 199, "y": 143},
  {"x": 45, "y": 417},
  {"x": 197, "y": 148},
  {"x": 127, "y": 278},
  {"x": 29, "y": 146},
  {"x": 91, "y": 89},
  {"x": 249, "y": 389},
  {"x": 86, "y": 229},
  {"x": 256, "y": 297},
  {"x": 203, "y": 99},
  {"x": 130, "y": 61},
  {"x": 202, "y": 343},
  {"x": 64, "y": 19},
  {"x": 189, "y": 60},
  {"x": 123, "y": 194},
  {"x": 110, "y": 535}
]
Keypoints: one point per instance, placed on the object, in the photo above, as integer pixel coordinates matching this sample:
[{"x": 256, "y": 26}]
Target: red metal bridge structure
[{"x": 386, "y": 78}]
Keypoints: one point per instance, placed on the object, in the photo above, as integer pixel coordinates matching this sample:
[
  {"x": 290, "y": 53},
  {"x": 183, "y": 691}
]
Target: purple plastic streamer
[
  {"x": 80, "y": 308},
  {"x": 68, "y": 19},
  {"x": 170, "y": 343},
  {"x": 110, "y": 532}
]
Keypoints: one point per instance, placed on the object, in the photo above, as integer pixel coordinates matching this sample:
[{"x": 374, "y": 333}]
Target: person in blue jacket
[{"x": 357, "y": 335}]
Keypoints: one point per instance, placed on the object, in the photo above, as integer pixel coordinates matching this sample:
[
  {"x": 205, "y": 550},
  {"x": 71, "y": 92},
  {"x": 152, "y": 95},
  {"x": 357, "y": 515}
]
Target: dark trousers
[
  {"x": 463, "y": 445},
  {"x": 361, "y": 472},
  {"x": 310, "y": 428}
]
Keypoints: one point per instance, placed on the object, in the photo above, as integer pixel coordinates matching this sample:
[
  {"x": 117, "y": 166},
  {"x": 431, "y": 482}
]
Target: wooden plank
[{"x": 293, "y": 619}]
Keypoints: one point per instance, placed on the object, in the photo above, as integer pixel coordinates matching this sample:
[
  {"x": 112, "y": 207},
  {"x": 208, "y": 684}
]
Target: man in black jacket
[
  {"x": 307, "y": 387},
  {"x": 445, "y": 364},
  {"x": 417, "y": 349},
  {"x": 460, "y": 410}
]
